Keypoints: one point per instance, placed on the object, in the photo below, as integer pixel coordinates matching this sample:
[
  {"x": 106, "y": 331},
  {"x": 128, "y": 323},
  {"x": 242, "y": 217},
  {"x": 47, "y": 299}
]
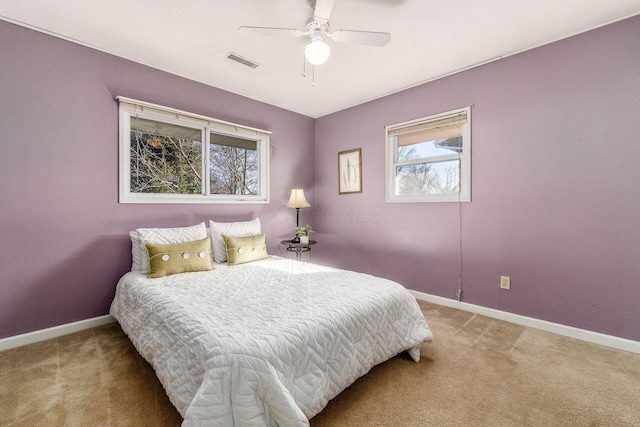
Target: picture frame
[{"x": 350, "y": 171}]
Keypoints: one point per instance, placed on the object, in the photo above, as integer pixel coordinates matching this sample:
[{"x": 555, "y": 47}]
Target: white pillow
[
  {"x": 165, "y": 236},
  {"x": 136, "y": 256},
  {"x": 231, "y": 229}
]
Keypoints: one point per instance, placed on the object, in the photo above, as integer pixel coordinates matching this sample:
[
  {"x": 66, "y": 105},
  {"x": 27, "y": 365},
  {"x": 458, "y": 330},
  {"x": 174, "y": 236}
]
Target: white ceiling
[{"x": 429, "y": 39}]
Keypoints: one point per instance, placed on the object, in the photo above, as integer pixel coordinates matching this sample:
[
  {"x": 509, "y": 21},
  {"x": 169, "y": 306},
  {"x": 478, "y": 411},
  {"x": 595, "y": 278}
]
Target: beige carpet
[{"x": 477, "y": 372}]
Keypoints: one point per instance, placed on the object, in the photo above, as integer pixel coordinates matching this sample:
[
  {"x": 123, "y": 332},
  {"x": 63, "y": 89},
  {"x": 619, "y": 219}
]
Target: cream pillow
[
  {"x": 231, "y": 229},
  {"x": 166, "y": 259},
  {"x": 241, "y": 250},
  {"x": 166, "y": 236}
]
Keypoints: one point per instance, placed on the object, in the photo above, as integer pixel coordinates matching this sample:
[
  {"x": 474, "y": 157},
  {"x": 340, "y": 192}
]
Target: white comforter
[{"x": 265, "y": 343}]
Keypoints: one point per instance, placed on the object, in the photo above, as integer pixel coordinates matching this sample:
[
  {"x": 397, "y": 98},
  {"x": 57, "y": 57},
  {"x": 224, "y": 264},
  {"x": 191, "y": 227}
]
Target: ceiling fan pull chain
[{"x": 304, "y": 66}]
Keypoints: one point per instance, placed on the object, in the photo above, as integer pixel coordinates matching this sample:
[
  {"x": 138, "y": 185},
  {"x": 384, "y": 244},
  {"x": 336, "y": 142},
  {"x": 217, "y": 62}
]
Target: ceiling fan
[{"x": 317, "y": 27}]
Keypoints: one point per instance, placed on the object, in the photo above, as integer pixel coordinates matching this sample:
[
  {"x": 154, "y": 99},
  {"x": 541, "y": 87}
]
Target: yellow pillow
[
  {"x": 166, "y": 259},
  {"x": 245, "y": 249}
]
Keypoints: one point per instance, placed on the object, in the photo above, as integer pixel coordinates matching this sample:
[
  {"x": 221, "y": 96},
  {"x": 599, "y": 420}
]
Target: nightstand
[{"x": 296, "y": 247}]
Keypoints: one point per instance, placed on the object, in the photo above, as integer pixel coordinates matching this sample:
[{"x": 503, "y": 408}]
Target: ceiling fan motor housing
[{"x": 316, "y": 24}]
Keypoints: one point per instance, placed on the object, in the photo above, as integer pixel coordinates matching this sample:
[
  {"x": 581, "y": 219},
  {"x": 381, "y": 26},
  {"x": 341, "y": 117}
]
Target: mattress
[{"x": 268, "y": 342}]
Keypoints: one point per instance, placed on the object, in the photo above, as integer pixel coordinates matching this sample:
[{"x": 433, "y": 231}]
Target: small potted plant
[{"x": 303, "y": 233}]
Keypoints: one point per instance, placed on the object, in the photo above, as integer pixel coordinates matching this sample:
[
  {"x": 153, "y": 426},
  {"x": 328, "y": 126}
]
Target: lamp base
[{"x": 295, "y": 239}]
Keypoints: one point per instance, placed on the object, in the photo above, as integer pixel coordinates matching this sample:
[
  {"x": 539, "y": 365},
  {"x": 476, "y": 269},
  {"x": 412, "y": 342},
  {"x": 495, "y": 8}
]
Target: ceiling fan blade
[
  {"x": 271, "y": 31},
  {"x": 370, "y": 38},
  {"x": 323, "y": 9}
]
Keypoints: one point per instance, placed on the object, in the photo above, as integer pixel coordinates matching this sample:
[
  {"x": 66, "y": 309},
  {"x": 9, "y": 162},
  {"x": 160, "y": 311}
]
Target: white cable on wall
[{"x": 459, "y": 292}]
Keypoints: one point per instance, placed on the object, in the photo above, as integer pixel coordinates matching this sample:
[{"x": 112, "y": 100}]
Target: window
[
  {"x": 171, "y": 156},
  {"x": 429, "y": 159}
]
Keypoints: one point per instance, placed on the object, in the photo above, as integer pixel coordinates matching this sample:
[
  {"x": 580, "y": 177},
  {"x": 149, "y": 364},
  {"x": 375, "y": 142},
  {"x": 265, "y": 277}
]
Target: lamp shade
[{"x": 297, "y": 199}]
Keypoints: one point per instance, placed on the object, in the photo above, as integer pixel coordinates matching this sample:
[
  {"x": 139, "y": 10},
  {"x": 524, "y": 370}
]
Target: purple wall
[
  {"x": 63, "y": 236},
  {"x": 554, "y": 168},
  {"x": 555, "y": 203}
]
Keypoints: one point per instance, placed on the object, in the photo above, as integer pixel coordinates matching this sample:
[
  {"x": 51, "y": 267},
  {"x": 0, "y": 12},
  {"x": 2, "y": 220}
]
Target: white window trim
[
  {"x": 133, "y": 108},
  {"x": 465, "y": 163}
]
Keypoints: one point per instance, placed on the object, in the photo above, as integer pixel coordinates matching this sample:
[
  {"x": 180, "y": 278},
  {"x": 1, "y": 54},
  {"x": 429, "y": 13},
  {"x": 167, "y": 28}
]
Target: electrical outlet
[{"x": 505, "y": 282}]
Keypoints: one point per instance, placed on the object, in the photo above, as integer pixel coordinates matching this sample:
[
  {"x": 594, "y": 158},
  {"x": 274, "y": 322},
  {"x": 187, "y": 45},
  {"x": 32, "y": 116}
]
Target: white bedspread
[{"x": 268, "y": 342}]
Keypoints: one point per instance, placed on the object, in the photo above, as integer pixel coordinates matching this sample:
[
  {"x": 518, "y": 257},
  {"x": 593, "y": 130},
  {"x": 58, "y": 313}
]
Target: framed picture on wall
[{"x": 350, "y": 171}]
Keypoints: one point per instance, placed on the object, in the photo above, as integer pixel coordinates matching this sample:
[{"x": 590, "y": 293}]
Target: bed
[{"x": 267, "y": 341}]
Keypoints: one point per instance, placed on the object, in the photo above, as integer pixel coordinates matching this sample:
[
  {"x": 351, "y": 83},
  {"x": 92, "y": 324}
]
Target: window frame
[
  {"x": 130, "y": 108},
  {"x": 392, "y": 163}
]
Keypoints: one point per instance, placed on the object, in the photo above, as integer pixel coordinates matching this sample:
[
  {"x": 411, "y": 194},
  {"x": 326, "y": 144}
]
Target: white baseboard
[
  {"x": 568, "y": 331},
  {"x": 56, "y": 331}
]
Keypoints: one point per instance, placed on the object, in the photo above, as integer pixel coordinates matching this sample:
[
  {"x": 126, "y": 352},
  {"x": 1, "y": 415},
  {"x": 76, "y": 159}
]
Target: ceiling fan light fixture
[{"x": 317, "y": 52}]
